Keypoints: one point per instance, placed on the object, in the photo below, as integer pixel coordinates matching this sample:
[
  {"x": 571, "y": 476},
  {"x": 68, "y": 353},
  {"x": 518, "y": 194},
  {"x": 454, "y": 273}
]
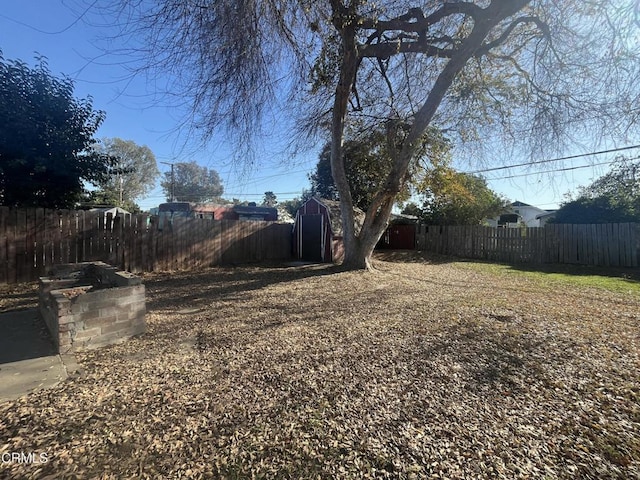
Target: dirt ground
[{"x": 422, "y": 369}]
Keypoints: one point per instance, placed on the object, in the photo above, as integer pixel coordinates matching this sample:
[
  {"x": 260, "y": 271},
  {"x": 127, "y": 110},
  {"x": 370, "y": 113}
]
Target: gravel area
[{"x": 421, "y": 369}]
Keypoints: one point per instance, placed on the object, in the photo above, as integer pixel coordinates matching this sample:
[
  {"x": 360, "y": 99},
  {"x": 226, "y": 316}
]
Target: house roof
[
  {"x": 402, "y": 219},
  {"x": 520, "y": 204},
  {"x": 548, "y": 213},
  {"x": 174, "y": 207},
  {"x": 254, "y": 210},
  {"x": 209, "y": 207}
]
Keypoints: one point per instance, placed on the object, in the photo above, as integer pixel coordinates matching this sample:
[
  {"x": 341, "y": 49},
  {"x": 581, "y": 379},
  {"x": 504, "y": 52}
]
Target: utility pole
[
  {"x": 120, "y": 186},
  {"x": 173, "y": 181}
]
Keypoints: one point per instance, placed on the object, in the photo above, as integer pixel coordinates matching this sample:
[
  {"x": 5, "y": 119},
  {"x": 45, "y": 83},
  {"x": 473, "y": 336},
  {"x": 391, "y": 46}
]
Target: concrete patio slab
[{"x": 28, "y": 359}]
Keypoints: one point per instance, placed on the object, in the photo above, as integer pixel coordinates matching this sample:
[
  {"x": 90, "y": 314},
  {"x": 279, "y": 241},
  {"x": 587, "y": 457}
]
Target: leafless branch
[{"x": 542, "y": 26}]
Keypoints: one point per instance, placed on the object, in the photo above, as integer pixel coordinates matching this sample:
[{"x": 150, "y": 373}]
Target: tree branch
[
  {"x": 383, "y": 71},
  {"x": 415, "y": 21},
  {"x": 544, "y": 28},
  {"x": 386, "y": 50}
]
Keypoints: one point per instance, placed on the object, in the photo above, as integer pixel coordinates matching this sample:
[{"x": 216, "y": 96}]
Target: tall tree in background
[
  {"x": 367, "y": 163},
  {"x": 292, "y": 206},
  {"x": 47, "y": 144},
  {"x": 133, "y": 174},
  {"x": 456, "y": 198},
  {"x": 621, "y": 183},
  {"x": 612, "y": 198},
  {"x": 532, "y": 72},
  {"x": 270, "y": 199},
  {"x": 192, "y": 183}
]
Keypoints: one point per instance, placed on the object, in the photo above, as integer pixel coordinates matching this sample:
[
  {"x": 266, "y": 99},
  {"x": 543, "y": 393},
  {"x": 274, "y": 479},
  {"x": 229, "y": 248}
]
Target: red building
[{"x": 400, "y": 234}]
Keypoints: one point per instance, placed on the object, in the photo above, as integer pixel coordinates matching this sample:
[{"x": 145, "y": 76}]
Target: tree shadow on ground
[
  {"x": 495, "y": 361},
  {"x": 193, "y": 288},
  {"x": 24, "y": 336},
  {"x": 412, "y": 256},
  {"x": 631, "y": 275},
  {"x": 628, "y": 274}
]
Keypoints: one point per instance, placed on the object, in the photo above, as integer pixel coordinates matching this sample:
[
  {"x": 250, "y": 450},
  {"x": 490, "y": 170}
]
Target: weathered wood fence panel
[
  {"x": 608, "y": 245},
  {"x": 31, "y": 240}
]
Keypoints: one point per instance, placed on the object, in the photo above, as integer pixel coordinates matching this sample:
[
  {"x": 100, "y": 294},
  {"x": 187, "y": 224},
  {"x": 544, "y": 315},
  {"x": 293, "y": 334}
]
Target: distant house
[
  {"x": 283, "y": 215},
  {"x": 253, "y": 212},
  {"x": 545, "y": 217},
  {"x": 317, "y": 231},
  {"x": 218, "y": 212},
  {"x": 518, "y": 214},
  {"x": 213, "y": 211},
  {"x": 174, "y": 209}
]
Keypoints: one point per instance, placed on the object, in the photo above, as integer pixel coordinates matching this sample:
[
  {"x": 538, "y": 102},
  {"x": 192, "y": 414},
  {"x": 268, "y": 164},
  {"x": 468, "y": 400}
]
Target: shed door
[
  {"x": 402, "y": 237},
  {"x": 312, "y": 238}
]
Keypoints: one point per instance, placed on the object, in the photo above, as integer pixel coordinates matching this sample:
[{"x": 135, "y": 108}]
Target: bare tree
[{"x": 535, "y": 72}]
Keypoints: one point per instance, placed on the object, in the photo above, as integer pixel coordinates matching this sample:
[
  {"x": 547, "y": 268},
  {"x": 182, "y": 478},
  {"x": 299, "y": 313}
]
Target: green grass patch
[{"x": 619, "y": 280}]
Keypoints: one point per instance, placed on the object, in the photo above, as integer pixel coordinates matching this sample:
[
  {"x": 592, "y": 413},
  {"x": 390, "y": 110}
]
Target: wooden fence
[
  {"x": 607, "y": 245},
  {"x": 31, "y": 240}
]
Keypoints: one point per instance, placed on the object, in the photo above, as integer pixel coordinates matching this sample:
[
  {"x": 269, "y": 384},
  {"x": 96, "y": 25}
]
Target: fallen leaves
[{"x": 416, "y": 371}]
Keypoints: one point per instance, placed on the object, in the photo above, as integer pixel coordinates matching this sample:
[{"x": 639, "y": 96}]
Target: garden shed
[
  {"x": 317, "y": 231},
  {"x": 400, "y": 234}
]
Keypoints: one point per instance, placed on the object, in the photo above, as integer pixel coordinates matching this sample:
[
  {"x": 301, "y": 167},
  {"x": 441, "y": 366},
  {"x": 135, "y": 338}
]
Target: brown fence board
[
  {"x": 634, "y": 244},
  {"x": 163, "y": 242},
  {"x": 30, "y": 244},
  {"x": 32, "y": 240},
  {"x": 615, "y": 245},
  {"x": 12, "y": 272},
  {"x": 152, "y": 244},
  {"x": 134, "y": 243},
  {"x": 608, "y": 245},
  {"x": 4, "y": 259},
  {"x": 23, "y": 269}
]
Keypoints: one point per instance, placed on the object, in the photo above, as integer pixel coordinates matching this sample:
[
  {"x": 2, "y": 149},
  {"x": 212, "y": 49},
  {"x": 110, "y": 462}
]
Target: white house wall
[{"x": 527, "y": 214}]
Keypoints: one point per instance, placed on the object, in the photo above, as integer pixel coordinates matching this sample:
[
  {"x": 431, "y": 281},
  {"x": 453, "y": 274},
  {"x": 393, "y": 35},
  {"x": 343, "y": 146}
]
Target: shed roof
[
  {"x": 335, "y": 215},
  {"x": 402, "y": 219}
]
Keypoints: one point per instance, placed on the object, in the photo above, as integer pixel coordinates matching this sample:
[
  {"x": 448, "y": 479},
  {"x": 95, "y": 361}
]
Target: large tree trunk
[
  {"x": 348, "y": 69},
  {"x": 359, "y": 257},
  {"x": 359, "y": 248}
]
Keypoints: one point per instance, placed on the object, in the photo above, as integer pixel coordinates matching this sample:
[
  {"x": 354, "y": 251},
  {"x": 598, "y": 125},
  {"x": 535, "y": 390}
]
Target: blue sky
[
  {"x": 52, "y": 28},
  {"x": 69, "y": 46}
]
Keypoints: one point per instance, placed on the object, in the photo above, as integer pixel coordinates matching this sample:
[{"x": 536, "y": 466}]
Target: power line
[
  {"x": 299, "y": 192},
  {"x": 563, "y": 169},
  {"x": 260, "y": 179},
  {"x": 557, "y": 170},
  {"x": 526, "y": 164}
]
